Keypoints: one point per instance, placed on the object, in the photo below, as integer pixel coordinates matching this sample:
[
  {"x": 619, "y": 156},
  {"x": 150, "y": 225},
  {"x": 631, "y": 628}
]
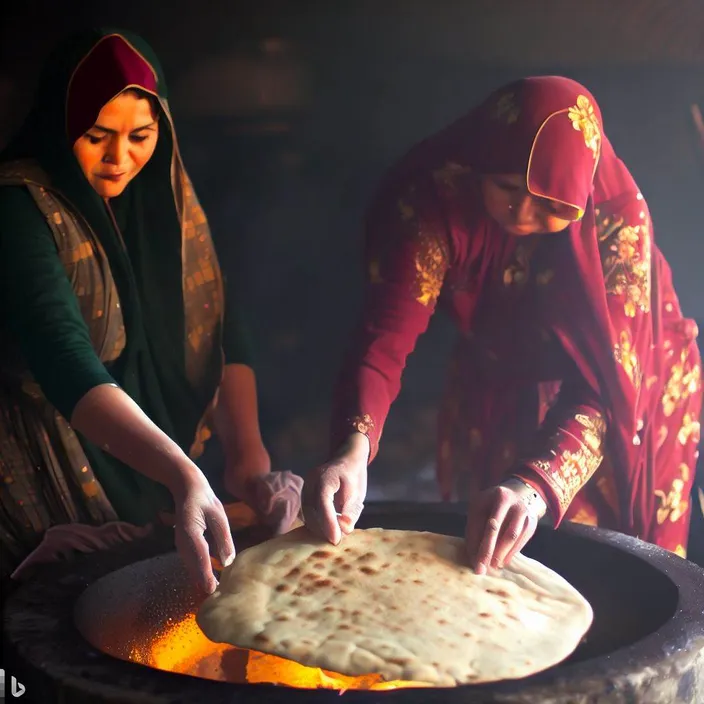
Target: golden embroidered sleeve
[
  {"x": 569, "y": 447},
  {"x": 407, "y": 257},
  {"x": 574, "y": 431}
]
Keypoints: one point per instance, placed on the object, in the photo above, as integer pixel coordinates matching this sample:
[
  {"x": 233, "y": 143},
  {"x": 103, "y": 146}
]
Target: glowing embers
[{"x": 184, "y": 649}]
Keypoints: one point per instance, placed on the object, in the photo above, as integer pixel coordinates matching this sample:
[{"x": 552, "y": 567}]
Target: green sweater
[{"x": 40, "y": 310}]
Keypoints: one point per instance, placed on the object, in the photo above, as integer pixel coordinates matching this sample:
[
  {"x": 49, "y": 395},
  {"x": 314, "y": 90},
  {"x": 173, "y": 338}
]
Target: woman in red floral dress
[{"x": 574, "y": 390}]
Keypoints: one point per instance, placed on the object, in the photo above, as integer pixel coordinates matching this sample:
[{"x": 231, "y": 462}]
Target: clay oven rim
[{"x": 39, "y": 629}]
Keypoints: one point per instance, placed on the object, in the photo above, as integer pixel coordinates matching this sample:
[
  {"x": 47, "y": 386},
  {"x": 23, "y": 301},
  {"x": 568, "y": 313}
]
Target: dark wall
[{"x": 285, "y": 185}]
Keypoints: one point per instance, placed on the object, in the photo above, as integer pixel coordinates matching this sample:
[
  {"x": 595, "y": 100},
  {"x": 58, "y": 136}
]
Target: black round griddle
[{"x": 66, "y": 633}]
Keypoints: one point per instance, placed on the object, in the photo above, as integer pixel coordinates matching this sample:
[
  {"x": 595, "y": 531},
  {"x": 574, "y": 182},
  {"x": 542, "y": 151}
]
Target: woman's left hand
[{"x": 500, "y": 521}]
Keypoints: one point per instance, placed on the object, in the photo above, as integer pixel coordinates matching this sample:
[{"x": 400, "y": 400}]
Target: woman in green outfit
[{"x": 119, "y": 348}]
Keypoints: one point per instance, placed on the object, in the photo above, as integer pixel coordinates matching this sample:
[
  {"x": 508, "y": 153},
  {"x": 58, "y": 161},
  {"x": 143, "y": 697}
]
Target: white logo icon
[{"x": 17, "y": 689}]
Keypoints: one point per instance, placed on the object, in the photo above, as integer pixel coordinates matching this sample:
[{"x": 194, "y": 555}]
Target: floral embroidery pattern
[
  {"x": 363, "y": 424},
  {"x": 625, "y": 355},
  {"x": 625, "y": 255},
  {"x": 673, "y": 505},
  {"x": 584, "y": 120},
  {"x": 690, "y": 429},
  {"x": 447, "y": 175},
  {"x": 572, "y": 472},
  {"x": 682, "y": 383},
  {"x": 506, "y": 110},
  {"x": 594, "y": 430},
  {"x": 572, "y": 469},
  {"x": 431, "y": 265}
]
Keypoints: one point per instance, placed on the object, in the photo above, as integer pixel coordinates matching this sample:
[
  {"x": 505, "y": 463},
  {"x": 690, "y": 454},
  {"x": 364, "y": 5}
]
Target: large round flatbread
[{"x": 402, "y": 604}]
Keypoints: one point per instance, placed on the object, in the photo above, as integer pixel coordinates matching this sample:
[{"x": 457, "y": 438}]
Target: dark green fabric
[
  {"x": 39, "y": 307},
  {"x": 148, "y": 277}
]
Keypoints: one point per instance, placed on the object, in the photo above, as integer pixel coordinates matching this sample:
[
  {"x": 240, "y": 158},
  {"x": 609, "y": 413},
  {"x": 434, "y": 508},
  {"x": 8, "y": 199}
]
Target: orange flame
[{"x": 183, "y": 648}]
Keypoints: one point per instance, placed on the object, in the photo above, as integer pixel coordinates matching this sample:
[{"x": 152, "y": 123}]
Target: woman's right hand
[
  {"x": 334, "y": 493},
  {"x": 198, "y": 510}
]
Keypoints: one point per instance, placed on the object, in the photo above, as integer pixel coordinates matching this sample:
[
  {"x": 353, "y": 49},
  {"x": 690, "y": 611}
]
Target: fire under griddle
[{"x": 81, "y": 631}]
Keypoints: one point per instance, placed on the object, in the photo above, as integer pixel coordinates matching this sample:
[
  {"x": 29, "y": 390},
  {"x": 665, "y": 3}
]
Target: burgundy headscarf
[
  {"x": 548, "y": 128},
  {"x": 110, "y": 67}
]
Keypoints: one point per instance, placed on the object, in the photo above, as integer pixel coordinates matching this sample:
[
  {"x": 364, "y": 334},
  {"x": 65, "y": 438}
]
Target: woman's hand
[
  {"x": 274, "y": 496},
  {"x": 334, "y": 493},
  {"x": 500, "y": 521},
  {"x": 198, "y": 510},
  {"x": 110, "y": 419}
]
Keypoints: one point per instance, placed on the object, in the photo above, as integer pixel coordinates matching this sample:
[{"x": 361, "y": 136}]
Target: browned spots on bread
[
  {"x": 294, "y": 572},
  {"x": 321, "y": 554},
  {"x": 262, "y": 639},
  {"x": 321, "y": 583},
  {"x": 319, "y": 566},
  {"x": 367, "y": 570},
  {"x": 339, "y": 560},
  {"x": 484, "y": 614},
  {"x": 344, "y": 627},
  {"x": 329, "y": 609},
  {"x": 399, "y": 661},
  {"x": 282, "y": 587},
  {"x": 498, "y": 592},
  {"x": 417, "y": 581}
]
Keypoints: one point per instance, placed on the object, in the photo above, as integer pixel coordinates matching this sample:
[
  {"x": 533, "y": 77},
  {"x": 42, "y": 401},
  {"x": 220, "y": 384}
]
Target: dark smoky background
[{"x": 289, "y": 111}]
